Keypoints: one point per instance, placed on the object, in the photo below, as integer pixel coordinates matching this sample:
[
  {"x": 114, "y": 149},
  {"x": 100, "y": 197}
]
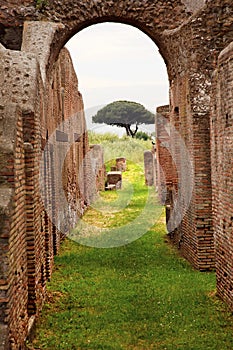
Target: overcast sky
[{"x": 118, "y": 62}]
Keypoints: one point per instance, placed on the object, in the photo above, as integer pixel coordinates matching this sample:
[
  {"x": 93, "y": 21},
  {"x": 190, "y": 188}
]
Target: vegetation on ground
[
  {"x": 119, "y": 217},
  {"x": 142, "y": 135},
  {"x": 138, "y": 296},
  {"x": 130, "y": 148}
]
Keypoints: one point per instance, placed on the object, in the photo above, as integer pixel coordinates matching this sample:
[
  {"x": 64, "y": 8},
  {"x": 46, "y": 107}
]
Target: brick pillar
[
  {"x": 33, "y": 207},
  {"x": 13, "y": 247},
  {"x": 166, "y": 169},
  {"x": 183, "y": 153},
  {"x": 55, "y": 233}
]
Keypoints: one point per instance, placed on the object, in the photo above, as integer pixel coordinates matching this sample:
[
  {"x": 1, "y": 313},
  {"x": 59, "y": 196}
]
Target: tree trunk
[
  {"x": 130, "y": 132},
  {"x": 127, "y": 128},
  {"x": 133, "y": 133}
]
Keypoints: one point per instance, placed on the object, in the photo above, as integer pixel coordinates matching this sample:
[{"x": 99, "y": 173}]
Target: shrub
[{"x": 141, "y": 135}]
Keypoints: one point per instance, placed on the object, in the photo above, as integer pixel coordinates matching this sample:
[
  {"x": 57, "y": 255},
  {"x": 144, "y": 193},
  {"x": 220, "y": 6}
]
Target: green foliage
[
  {"x": 124, "y": 114},
  {"x": 141, "y": 135},
  {"x": 130, "y": 148},
  {"x": 95, "y": 138},
  {"x": 139, "y": 296},
  {"x": 40, "y": 4}
]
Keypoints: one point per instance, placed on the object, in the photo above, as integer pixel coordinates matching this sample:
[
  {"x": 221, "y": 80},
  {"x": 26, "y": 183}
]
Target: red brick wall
[
  {"x": 222, "y": 176},
  {"x": 24, "y": 252},
  {"x": 33, "y": 207},
  {"x": 29, "y": 233},
  {"x": 13, "y": 248},
  {"x": 64, "y": 113},
  {"x": 167, "y": 172},
  {"x": 185, "y": 161}
]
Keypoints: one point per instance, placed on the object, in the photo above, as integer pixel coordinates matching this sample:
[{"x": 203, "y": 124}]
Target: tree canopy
[{"x": 124, "y": 114}]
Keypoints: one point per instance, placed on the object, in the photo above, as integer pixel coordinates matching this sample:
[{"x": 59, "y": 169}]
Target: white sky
[{"x": 118, "y": 62}]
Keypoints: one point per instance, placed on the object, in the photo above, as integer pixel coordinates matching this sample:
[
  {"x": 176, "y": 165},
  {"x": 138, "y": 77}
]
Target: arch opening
[
  {"x": 136, "y": 50},
  {"x": 117, "y": 61}
]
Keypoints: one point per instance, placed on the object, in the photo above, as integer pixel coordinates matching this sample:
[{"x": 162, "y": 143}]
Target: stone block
[
  {"x": 114, "y": 178},
  {"x": 149, "y": 168},
  {"x": 121, "y": 164}
]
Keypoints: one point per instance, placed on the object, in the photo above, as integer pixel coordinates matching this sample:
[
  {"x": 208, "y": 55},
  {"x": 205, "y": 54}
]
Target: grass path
[{"x": 137, "y": 296}]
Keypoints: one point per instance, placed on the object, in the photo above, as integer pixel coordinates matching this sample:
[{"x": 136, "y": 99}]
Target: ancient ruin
[
  {"x": 114, "y": 180},
  {"x": 150, "y": 168},
  {"x": 43, "y": 128}
]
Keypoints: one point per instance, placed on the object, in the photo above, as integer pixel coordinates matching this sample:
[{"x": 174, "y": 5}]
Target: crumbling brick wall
[
  {"x": 183, "y": 147},
  {"x": 13, "y": 273},
  {"x": 222, "y": 165},
  {"x": 166, "y": 170},
  {"x": 44, "y": 130},
  {"x": 67, "y": 139},
  {"x": 22, "y": 258}
]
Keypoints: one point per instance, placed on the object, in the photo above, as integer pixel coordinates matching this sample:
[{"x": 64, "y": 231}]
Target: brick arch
[
  {"x": 172, "y": 29},
  {"x": 150, "y": 16},
  {"x": 159, "y": 20},
  {"x": 190, "y": 49},
  {"x": 189, "y": 94},
  {"x": 154, "y": 36},
  {"x": 64, "y": 34}
]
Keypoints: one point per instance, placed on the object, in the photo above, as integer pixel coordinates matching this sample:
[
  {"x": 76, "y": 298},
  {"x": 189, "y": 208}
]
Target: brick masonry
[
  {"x": 46, "y": 177},
  {"x": 39, "y": 94},
  {"x": 222, "y": 165}
]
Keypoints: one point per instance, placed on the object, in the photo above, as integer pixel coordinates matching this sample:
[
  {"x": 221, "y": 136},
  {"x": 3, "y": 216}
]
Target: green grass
[
  {"x": 114, "y": 147},
  {"x": 137, "y": 296},
  {"x": 120, "y": 217}
]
